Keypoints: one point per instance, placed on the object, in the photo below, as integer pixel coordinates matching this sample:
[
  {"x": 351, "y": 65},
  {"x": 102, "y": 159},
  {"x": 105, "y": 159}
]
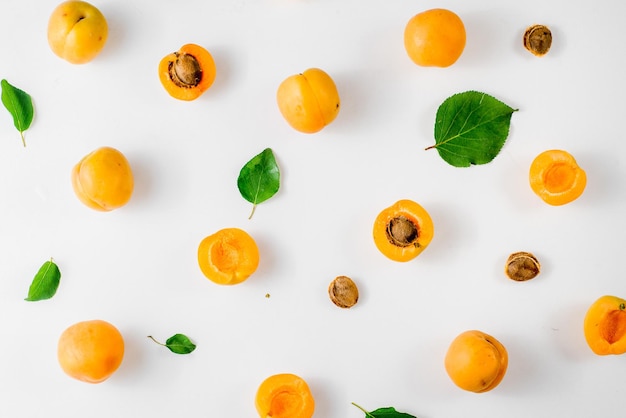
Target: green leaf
[
  {"x": 20, "y": 105},
  {"x": 387, "y": 412},
  {"x": 259, "y": 178},
  {"x": 471, "y": 128},
  {"x": 45, "y": 283},
  {"x": 177, "y": 343}
]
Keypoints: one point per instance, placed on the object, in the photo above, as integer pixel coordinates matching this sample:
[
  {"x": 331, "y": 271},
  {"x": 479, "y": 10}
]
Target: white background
[{"x": 136, "y": 267}]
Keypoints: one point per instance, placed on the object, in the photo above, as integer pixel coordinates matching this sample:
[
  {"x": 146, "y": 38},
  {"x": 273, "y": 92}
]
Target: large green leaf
[
  {"x": 259, "y": 178},
  {"x": 471, "y": 128},
  {"x": 20, "y": 105},
  {"x": 45, "y": 283}
]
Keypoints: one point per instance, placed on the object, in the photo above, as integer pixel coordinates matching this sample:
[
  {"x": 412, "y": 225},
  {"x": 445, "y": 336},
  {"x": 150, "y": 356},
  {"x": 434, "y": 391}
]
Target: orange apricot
[
  {"x": 435, "y": 38},
  {"x": 103, "y": 179},
  {"x": 476, "y": 361},
  {"x": 308, "y": 101},
  {"x": 228, "y": 256},
  {"x": 90, "y": 351},
  {"x": 605, "y": 326},
  {"x": 403, "y": 230},
  {"x": 556, "y": 177},
  {"x": 284, "y": 396},
  {"x": 187, "y": 73}
]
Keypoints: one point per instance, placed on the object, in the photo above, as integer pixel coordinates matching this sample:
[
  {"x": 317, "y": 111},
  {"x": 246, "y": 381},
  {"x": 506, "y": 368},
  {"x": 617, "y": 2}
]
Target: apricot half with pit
[
  {"x": 77, "y": 31},
  {"x": 103, "y": 179},
  {"x": 476, "y": 361},
  {"x": 187, "y": 73},
  {"x": 605, "y": 325},
  {"x": 308, "y": 101}
]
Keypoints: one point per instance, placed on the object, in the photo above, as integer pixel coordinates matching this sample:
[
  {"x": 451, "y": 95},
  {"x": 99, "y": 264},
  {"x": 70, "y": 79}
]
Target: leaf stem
[
  {"x": 253, "y": 209},
  {"x": 430, "y": 147},
  {"x": 23, "y": 139},
  {"x": 159, "y": 343},
  {"x": 364, "y": 411}
]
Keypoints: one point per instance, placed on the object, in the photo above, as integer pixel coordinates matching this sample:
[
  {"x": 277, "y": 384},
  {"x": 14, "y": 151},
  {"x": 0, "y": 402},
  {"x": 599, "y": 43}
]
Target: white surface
[{"x": 136, "y": 267}]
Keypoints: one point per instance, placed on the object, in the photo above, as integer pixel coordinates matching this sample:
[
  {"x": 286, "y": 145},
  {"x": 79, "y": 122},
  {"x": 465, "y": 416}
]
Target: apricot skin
[
  {"x": 77, "y": 31},
  {"x": 103, "y": 179},
  {"x": 308, "y": 101},
  {"x": 605, "y": 326},
  {"x": 90, "y": 351},
  {"x": 284, "y": 395},
  {"x": 476, "y": 361}
]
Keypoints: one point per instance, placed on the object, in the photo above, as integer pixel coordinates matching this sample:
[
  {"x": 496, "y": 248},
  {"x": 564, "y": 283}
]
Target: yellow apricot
[
  {"x": 284, "y": 395},
  {"x": 187, "y": 73},
  {"x": 435, "y": 38},
  {"x": 77, "y": 31},
  {"x": 308, "y": 101},
  {"x": 476, "y": 361},
  {"x": 556, "y": 178},
  {"x": 103, "y": 179},
  {"x": 605, "y": 325},
  {"x": 90, "y": 351},
  {"x": 228, "y": 256}
]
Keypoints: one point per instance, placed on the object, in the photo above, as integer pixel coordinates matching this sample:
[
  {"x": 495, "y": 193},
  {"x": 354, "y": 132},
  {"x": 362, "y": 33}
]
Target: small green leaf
[
  {"x": 471, "y": 128},
  {"x": 387, "y": 412},
  {"x": 45, "y": 282},
  {"x": 177, "y": 343},
  {"x": 259, "y": 178},
  {"x": 20, "y": 105}
]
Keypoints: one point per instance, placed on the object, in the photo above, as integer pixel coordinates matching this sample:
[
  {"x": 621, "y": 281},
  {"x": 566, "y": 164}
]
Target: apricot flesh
[
  {"x": 476, "y": 361},
  {"x": 228, "y": 257},
  {"x": 187, "y": 73},
  {"x": 103, "y": 179},
  {"x": 605, "y": 325},
  {"x": 556, "y": 178},
  {"x": 284, "y": 395},
  {"x": 308, "y": 101},
  {"x": 90, "y": 351},
  {"x": 77, "y": 31}
]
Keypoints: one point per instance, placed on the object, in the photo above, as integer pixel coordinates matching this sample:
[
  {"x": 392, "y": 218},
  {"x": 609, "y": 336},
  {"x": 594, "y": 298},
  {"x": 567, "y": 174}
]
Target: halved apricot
[
  {"x": 556, "y": 177},
  {"x": 605, "y": 326},
  {"x": 187, "y": 73},
  {"x": 284, "y": 395},
  {"x": 403, "y": 230},
  {"x": 228, "y": 256},
  {"x": 476, "y": 361},
  {"x": 308, "y": 101}
]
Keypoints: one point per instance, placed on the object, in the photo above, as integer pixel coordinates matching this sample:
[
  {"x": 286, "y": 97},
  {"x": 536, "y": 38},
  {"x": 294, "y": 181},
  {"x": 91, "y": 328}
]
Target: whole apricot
[
  {"x": 403, "y": 230},
  {"x": 103, "y": 179},
  {"x": 284, "y": 395},
  {"x": 308, "y": 101},
  {"x": 476, "y": 361},
  {"x": 228, "y": 257},
  {"x": 435, "y": 38},
  {"x": 556, "y": 178},
  {"x": 605, "y": 326},
  {"x": 188, "y": 72},
  {"x": 77, "y": 31},
  {"x": 90, "y": 351}
]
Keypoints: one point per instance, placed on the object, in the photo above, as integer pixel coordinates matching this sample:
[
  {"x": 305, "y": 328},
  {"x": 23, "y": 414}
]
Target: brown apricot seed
[
  {"x": 522, "y": 266},
  {"x": 538, "y": 40},
  {"x": 401, "y": 231},
  {"x": 343, "y": 292},
  {"x": 185, "y": 71}
]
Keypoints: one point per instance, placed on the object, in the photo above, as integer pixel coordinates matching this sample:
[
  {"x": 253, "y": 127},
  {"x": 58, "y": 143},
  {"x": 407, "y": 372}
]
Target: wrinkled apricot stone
[
  {"x": 476, "y": 361},
  {"x": 435, "y": 38},
  {"x": 605, "y": 326},
  {"x": 228, "y": 256},
  {"x": 90, "y": 351},
  {"x": 77, "y": 31},
  {"x": 284, "y": 396},
  {"x": 403, "y": 230},
  {"x": 308, "y": 101},
  {"x": 103, "y": 179},
  {"x": 187, "y": 73}
]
